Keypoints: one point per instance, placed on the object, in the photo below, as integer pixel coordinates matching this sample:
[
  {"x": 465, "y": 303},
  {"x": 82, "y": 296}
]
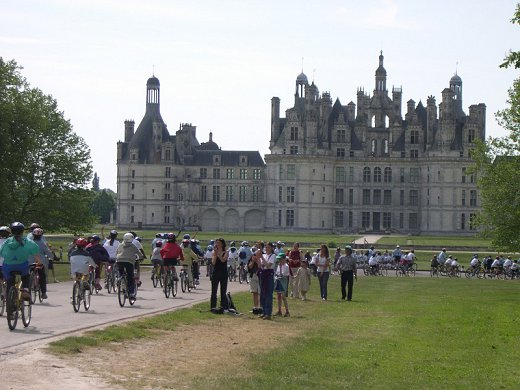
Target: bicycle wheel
[
  {"x": 188, "y": 286},
  {"x": 174, "y": 288},
  {"x": 121, "y": 291},
  {"x": 33, "y": 286},
  {"x": 26, "y": 308},
  {"x": 76, "y": 296},
  {"x": 230, "y": 275},
  {"x": 167, "y": 285},
  {"x": 87, "y": 294},
  {"x": 12, "y": 309},
  {"x": 155, "y": 278},
  {"x": 183, "y": 282},
  {"x": 411, "y": 271},
  {"x": 2, "y": 298}
]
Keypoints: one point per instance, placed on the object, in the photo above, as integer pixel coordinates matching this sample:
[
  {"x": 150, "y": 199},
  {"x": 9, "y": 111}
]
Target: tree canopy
[
  {"x": 498, "y": 168},
  {"x": 45, "y": 165}
]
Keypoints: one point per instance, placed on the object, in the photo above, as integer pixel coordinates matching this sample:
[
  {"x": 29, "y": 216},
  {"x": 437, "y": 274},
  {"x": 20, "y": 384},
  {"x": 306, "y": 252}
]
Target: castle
[{"x": 331, "y": 168}]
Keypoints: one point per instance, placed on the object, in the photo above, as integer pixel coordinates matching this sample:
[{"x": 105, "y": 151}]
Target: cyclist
[
  {"x": 171, "y": 252},
  {"x": 126, "y": 256},
  {"x": 100, "y": 256},
  {"x": 232, "y": 261},
  {"x": 111, "y": 243},
  {"x": 16, "y": 251},
  {"x": 137, "y": 242},
  {"x": 80, "y": 260},
  {"x": 207, "y": 258},
  {"x": 195, "y": 247},
  {"x": 158, "y": 237},
  {"x": 156, "y": 257},
  {"x": 189, "y": 258},
  {"x": 45, "y": 255},
  {"x": 4, "y": 234},
  {"x": 475, "y": 262},
  {"x": 434, "y": 263}
]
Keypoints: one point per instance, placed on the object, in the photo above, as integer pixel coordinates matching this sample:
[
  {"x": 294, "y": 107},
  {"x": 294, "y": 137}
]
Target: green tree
[
  {"x": 498, "y": 168},
  {"x": 45, "y": 165},
  {"x": 104, "y": 204}
]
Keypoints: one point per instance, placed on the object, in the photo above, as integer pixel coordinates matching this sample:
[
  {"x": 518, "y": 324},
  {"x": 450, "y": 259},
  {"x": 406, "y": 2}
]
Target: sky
[{"x": 220, "y": 62}]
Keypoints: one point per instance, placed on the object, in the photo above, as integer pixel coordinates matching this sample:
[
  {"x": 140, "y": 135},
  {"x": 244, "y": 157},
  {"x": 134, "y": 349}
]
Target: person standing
[
  {"x": 267, "y": 281},
  {"x": 347, "y": 268},
  {"x": 281, "y": 281},
  {"x": 323, "y": 270},
  {"x": 295, "y": 257},
  {"x": 219, "y": 274}
]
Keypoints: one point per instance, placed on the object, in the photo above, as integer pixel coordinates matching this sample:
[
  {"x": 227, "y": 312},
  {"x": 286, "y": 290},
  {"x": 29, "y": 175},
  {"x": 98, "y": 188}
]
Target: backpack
[
  {"x": 242, "y": 255},
  {"x": 231, "y": 305}
]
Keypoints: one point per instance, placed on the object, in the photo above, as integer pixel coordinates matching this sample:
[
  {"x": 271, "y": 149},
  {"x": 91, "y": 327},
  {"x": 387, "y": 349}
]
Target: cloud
[{"x": 20, "y": 40}]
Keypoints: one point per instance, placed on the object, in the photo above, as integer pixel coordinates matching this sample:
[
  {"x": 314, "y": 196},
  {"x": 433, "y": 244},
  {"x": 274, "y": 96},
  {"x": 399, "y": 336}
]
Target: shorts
[
  {"x": 51, "y": 264},
  {"x": 156, "y": 262},
  {"x": 280, "y": 285},
  {"x": 254, "y": 284},
  {"x": 170, "y": 262}
]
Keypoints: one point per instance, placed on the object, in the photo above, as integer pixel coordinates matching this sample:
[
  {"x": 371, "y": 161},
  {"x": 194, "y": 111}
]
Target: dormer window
[
  {"x": 243, "y": 161},
  {"x": 216, "y": 159}
]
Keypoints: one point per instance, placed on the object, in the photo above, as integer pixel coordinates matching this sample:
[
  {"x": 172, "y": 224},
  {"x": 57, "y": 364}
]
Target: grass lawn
[{"x": 397, "y": 333}]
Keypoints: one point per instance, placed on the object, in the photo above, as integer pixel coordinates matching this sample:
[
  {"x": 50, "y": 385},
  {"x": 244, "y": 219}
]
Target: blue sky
[{"x": 220, "y": 62}]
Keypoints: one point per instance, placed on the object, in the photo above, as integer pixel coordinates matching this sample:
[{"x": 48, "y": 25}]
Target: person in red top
[
  {"x": 295, "y": 258},
  {"x": 171, "y": 253}
]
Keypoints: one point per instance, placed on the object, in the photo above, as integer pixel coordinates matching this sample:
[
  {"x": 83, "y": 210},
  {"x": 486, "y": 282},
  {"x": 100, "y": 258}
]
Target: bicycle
[
  {"x": 122, "y": 290},
  {"x": 34, "y": 283},
  {"x": 232, "y": 273},
  {"x": 16, "y": 305},
  {"x": 170, "y": 284},
  {"x": 157, "y": 275},
  {"x": 406, "y": 270},
  {"x": 81, "y": 291},
  {"x": 184, "y": 279},
  {"x": 434, "y": 271},
  {"x": 92, "y": 280},
  {"x": 111, "y": 277},
  {"x": 243, "y": 275}
]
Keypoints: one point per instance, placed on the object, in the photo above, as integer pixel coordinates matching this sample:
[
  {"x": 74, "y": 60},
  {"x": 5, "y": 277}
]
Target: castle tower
[
  {"x": 380, "y": 76},
  {"x": 275, "y": 119},
  {"x": 299, "y": 96},
  {"x": 456, "y": 87},
  {"x": 152, "y": 95}
]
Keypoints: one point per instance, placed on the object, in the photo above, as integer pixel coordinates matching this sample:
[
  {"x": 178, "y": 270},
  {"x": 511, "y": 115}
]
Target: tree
[
  {"x": 498, "y": 169},
  {"x": 45, "y": 165},
  {"x": 104, "y": 205}
]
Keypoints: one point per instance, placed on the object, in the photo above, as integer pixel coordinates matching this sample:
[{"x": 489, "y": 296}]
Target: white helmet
[{"x": 128, "y": 237}]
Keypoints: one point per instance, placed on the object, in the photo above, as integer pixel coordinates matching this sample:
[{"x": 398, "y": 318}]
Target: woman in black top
[{"x": 220, "y": 274}]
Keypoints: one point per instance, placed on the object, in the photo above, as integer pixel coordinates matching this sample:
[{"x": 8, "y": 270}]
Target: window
[
  {"x": 133, "y": 173},
  {"x": 133, "y": 186},
  {"x": 340, "y": 152},
  {"x": 132, "y": 219},
  {"x": 279, "y": 217},
  {"x": 131, "y": 209},
  {"x": 377, "y": 175},
  {"x": 366, "y": 197},
  {"x": 401, "y": 175},
  {"x": 294, "y": 134},
  {"x": 229, "y": 193},
  {"x": 167, "y": 186},
  {"x": 414, "y": 153},
  {"x": 280, "y": 171},
  {"x": 387, "y": 197},
  {"x": 388, "y": 175},
  {"x": 256, "y": 174},
  {"x": 341, "y": 135},
  {"x": 339, "y": 219},
  {"x": 255, "y": 195},
  {"x": 180, "y": 196},
  {"x": 366, "y": 175},
  {"x": 472, "y": 221},
  {"x": 168, "y": 172},
  {"x": 414, "y": 175},
  {"x": 203, "y": 193},
  {"x": 216, "y": 160},
  {"x": 280, "y": 194},
  {"x": 166, "y": 196},
  {"x": 166, "y": 209},
  {"x": 290, "y": 194},
  {"x": 412, "y": 220},
  {"x": 385, "y": 146},
  {"x": 132, "y": 197},
  {"x": 350, "y": 218},
  {"x": 242, "y": 193},
  {"x": 401, "y": 198},
  {"x": 216, "y": 193},
  {"x": 373, "y": 147},
  {"x": 230, "y": 173},
  {"x": 403, "y": 154},
  {"x": 289, "y": 218},
  {"x": 243, "y": 174},
  {"x": 377, "y": 197},
  {"x": 464, "y": 175},
  {"x": 414, "y": 137},
  {"x": 414, "y": 197},
  {"x": 216, "y": 173},
  {"x": 293, "y": 149},
  {"x": 351, "y": 174},
  {"x": 365, "y": 220},
  {"x": 340, "y": 195},
  {"x": 463, "y": 221},
  {"x": 463, "y": 198},
  {"x": 471, "y": 135},
  {"x": 291, "y": 172},
  {"x": 168, "y": 153},
  {"x": 401, "y": 220},
  {"x": 203, "y": 173},
  {"x": 473, "y": 198},
  {"x": 351, "y": 196},
  {"x": 341, "y": 176},
  {"x": 387, "y": 220}
]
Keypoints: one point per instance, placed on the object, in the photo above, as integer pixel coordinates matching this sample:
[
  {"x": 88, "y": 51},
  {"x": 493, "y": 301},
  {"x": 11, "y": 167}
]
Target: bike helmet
[
  {"x": 186, "y": 242},
  {"x": 186, "y": 237},
  {"x": 128, "y": 238},
  {"x": 139, "y": 239},
  {"x": 158, "y": 235},
  {"x": 134, "y": 234},
  {"x": 4, "y": 231},
  {"x": 158, "y": 244},
  {"x": 17, "y": 228},
  {"x": 171, "y": 237},
  {"x": 33, "y": 226},
  {"x": 113, "y": 233},
  {"x": 81, "y": 243},
  {"x": 232, "y": 243},
  {"x": 245, "y": 243},
  {"x": 95, "y": 238},
  {"x": 37, "y": 232},
  {"x": 210, "y": 247}
]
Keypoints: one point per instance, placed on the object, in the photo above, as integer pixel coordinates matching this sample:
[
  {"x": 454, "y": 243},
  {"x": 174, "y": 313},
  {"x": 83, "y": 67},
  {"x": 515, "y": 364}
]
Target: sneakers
[
  {"x": 286, "y": 314},
  {"x": 26, "y": 295},
  {"x": 44, "y": 296},
  {"x": 139, "y": 283},
  {"x": 279, "y": 314},
  {"x": 98, "y": 287},
  {"x": 269, "y": 318}
]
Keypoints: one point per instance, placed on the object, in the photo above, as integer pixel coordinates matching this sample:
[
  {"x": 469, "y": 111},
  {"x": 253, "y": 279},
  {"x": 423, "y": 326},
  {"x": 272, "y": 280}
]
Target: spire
[
  {"x": 152, "y": 95},
  {"x": 380, "y": 75}
]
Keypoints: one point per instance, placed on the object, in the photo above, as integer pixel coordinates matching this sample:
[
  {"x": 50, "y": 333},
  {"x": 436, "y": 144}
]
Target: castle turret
[
  {"x": 456, "y": 87},
  {"x": 299, "y": 96},
  {"x": 129, "y": 130},
  {"x": 397, "y": 97},
  {"x": 431, "y": 119},
  {"x": 380, "y": 76},
  {"x": 275, "y": 118},
  {"x": 153, "y": 95}
]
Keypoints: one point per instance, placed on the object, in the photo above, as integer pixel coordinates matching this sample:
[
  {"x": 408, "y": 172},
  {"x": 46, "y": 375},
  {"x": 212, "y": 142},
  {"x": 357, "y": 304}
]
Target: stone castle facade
[{"x": 331, "y": 168}]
